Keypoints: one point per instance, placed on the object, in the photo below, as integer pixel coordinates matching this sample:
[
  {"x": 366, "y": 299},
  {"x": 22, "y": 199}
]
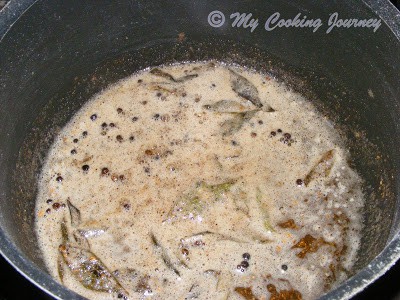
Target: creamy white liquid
[{"x": 173, "y": 173}]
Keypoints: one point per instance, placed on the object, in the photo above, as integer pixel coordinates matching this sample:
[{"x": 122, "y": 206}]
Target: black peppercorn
[
  {"x": 244, "y": 264},
  {"x": 246, "y": 256}
]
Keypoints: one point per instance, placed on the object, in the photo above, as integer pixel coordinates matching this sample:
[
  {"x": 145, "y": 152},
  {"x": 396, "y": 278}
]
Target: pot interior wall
[{"x": 61, "y": 53}]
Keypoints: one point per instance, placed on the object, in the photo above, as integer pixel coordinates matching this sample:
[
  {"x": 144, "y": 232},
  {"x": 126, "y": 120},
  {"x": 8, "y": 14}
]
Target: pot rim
[{"x": 384, "y": 9}]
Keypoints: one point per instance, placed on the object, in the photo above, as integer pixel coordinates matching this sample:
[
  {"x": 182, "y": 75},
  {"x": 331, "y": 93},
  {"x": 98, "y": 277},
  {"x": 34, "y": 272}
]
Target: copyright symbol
[{"x": 216, "y": 18}]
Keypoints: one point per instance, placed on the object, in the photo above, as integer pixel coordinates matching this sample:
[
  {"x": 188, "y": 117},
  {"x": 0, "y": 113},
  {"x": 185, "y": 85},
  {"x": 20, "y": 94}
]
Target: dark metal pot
[{"x": 54, "y": 55}]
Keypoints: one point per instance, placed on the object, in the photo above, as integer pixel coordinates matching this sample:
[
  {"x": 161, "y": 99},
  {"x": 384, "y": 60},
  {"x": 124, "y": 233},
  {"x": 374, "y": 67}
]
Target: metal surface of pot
[{"x": 54, "y": 55}]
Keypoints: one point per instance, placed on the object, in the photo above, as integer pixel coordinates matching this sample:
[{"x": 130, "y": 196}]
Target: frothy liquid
[{"x": 199, "y": 181}]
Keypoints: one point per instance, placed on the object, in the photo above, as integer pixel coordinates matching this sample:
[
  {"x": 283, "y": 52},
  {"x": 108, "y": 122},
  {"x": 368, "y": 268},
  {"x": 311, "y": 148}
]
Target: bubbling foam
[{"x": 199, "y": 180}]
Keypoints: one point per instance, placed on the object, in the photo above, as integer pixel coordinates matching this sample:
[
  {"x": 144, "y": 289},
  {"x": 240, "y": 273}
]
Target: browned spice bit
[
  {"x": 260, "y": 122},
  {"x": 273, "y": 133},
  {"x": 321, "y": 169},
  {"x": 119, "y": 138},
  {"x": 48, "y": 210},
  {"x": 105, "y": 171},
  {"x": 159, "y": 94},
  {"x": 121, "y": 177},
  {"x": 197, "y": 99},
  {"x": 140, "y": 80},
  {"x": 131, "y": 138},
  {"x": 144, "y": 102},
  {"x": 148, "y": 152},
  {"x": 56, "y": 206},
  {"x": 75, "y": 141},
  {"x": 156, "y": 117},
  {"x": 299, "y": 182},
  {"x": 104, "y": 125},
  {"x": 341, "y": 219},
  {"x": 253, "y": 134},
  {"x": 246, "y": 293},
  {"x": 112, "y": 124},
  {"x": 48, "y": 201},
  {"x": 147, "y": 169},
  {"x": 134, "y": 119},
  {"x": 288, "y": 224},
  {"x": 93, "y": 117},
  {"x": 120, "y": 110},
  {"x": 185, "y": 252},
  {"x": 309, "y": 244},
  {"x": 283, "y": 294},
  {"x": 85, "y": 133},
  {"x": 73, "y": 151},
  {"x": 181, "y": 37},
  {"x": 127, "y": 206},
  {"x": 279, "y": 130},
  {"x": 59, "y": 179},
  {"x": 114, "y": 177}
]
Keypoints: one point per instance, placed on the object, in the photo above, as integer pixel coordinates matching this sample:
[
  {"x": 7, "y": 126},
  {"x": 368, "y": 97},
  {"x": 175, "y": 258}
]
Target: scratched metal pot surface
[{"x": 54, "y": 55}]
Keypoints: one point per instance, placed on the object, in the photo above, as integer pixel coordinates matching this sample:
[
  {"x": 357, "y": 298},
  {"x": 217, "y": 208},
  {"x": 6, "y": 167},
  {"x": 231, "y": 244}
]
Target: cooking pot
[{"x": 54, "y": 55}]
